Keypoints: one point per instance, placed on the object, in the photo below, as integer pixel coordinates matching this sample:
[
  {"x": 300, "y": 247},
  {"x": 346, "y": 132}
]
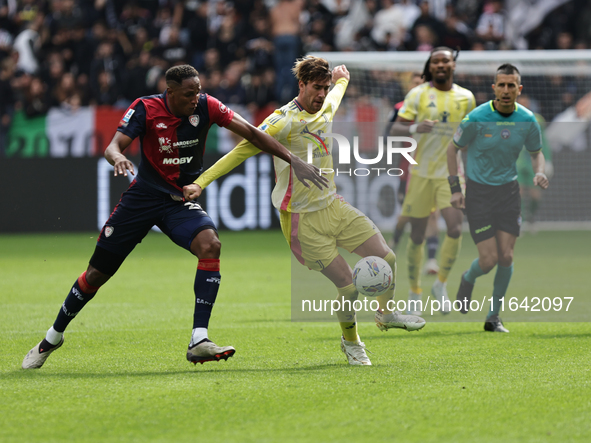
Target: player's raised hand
[
  {"x": 305, "y": 171},
  {"x": 426, "y": 126},
  {"x": 192, "y": 191},
  {"x": 457, "y": 200},
  {"x": 340, "y": 72},
  {"x": 122, "y": 165},
  {"x": 541, "y": 180}
]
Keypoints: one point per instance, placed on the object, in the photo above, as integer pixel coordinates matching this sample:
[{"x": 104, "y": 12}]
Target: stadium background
[{"x": 69, "y": 69}]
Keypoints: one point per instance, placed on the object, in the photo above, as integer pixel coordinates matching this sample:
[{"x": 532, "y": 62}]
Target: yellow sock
[
  {"x": 385, "y": 298},
  {"x": 414, "y": 257},
  {"x": 450, "y": 250},
  {"x": 346, "y": 317}
]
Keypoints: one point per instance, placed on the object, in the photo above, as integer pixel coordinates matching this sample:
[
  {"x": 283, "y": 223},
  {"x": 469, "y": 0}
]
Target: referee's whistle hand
[
  {"x": 457, "y": 200},
  {"x": 541, "y": 180}
]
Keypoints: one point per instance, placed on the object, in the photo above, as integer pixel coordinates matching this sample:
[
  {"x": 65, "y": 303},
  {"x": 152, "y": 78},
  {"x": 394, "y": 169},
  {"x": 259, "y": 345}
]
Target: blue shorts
[{"x": 141, "y": 207}]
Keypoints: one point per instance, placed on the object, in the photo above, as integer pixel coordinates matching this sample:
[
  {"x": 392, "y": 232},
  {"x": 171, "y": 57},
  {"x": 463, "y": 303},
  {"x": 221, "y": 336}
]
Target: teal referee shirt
[{"x": 494, "y": 141}]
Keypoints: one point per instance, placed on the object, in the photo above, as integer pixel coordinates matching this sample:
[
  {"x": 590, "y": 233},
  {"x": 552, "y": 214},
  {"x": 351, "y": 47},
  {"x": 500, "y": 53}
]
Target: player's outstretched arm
[
  {"x": 114, "y": 154},
  {"x": 403, "y": 127},
  {"x": 457, "y": 197},
  {"x": 538, "y": 163},
  {"x": 303, "y": 171}
]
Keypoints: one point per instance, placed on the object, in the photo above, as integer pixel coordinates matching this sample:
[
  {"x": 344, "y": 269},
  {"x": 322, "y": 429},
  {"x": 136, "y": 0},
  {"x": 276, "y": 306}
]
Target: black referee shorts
[{"x": 492, "y": 208}]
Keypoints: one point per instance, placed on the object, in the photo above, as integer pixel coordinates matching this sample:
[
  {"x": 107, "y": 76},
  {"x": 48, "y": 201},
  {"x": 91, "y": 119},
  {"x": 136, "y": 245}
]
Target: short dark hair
[
  {"x": 179, "y": 73},
  {"x": 310, "y": 69},
  {"x": 508, "y": 69},
  {"x": 426, "y": 73}
]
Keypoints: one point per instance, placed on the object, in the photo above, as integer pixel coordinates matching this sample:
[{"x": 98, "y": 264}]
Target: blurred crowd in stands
[{"x": 73, "y": 53}]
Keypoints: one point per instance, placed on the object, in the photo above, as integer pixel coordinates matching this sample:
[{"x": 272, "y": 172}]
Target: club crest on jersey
[
  {"x": 505, "y": 134},
  {"x": 165, "y": 145},
  {"x": 108, "y": 231},
  {"x": 194, "y": 120}
]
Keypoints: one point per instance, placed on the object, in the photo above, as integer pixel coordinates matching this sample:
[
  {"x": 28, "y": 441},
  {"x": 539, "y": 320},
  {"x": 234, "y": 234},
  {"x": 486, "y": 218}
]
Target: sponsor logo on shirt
[
  {"x": 264, "y": 127},
  {"x": 185, "y": 144},
  {"x": 177, "y": 161},
  {"x": 223, "y": 108},
  {"x": 161, "y": 126}
]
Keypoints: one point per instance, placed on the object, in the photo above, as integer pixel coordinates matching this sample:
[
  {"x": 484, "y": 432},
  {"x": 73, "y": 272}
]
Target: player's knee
[
  {"x": 417, "y": 237},
  {"x": 487, "y": 263},
  {"x": 211, "y": 248},
  {"x": 96, "y": 278},
  {"x": 506, "y": 258},
  {"x": 454, "y": 231}
]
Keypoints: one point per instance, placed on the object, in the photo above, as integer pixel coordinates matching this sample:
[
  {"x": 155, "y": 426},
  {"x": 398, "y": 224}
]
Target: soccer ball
[{"x": 372, "y": 276}]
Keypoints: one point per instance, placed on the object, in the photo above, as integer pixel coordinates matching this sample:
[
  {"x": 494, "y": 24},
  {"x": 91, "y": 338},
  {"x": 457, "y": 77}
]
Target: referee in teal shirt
[{"x": 493, "y": 135}]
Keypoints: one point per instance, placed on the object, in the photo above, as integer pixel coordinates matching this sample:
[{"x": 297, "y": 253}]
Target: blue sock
[
  {"x": 474, "y": 272},
  {"x": 207, "y": 284},
  {"x": 502, "y": 279},
  {"x": 432, "y": 244},
  {"x": 80, "y": 294}
]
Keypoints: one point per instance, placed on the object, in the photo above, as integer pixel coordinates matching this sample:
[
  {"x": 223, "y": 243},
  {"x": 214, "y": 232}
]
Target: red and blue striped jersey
[{"x": 171, "y": 147}]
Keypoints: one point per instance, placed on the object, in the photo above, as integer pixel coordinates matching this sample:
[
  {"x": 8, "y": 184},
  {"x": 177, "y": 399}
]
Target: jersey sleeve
[
  {"x": 240, "y": 153},
  {"x": 133, "y": 122},
  {"x": 533, "y": 142},
  {"x": 219, "y": 113},
  {"x": 465, "y": 133},
  {"x": 409, "y": 108},
  {"x": 335, "y": 96}
]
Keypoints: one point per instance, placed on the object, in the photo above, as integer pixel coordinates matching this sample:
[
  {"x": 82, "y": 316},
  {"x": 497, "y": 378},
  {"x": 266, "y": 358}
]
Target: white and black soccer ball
[{"x": 372, "y": 276}]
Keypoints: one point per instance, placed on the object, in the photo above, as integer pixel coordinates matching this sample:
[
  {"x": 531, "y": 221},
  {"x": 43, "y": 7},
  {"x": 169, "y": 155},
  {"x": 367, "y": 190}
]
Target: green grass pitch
[{"x": 121, "y": 375}]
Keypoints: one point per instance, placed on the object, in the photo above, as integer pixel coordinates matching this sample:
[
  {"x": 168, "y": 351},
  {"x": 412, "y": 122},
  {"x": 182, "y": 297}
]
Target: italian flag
[{"x": 84, "y": 132}]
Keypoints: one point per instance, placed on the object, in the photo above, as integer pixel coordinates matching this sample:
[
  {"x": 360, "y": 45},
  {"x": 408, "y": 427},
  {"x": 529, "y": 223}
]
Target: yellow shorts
[
  {"x": 423, "y": 195},
  {"x": 314, "y": 236}
]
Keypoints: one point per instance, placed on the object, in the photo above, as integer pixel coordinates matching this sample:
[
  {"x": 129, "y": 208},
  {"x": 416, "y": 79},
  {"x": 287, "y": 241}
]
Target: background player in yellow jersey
[
  {"x": 436, "y": 107},
  {"x": 316, "y": 221}
]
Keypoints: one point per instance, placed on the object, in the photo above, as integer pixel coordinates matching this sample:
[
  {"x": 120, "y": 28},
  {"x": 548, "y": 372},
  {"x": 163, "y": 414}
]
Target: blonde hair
[{"x": 311, "y": 69}]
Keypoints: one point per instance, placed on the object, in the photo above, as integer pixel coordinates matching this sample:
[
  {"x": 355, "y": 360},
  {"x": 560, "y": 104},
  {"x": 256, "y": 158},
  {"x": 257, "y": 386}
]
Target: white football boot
[
  {"x": 355, "y": 352},
  {"x": 389, "y": 320},
  {"x": 431, "y": 267},
  {"x": 206, "y": 350},
  {"x": 37, "y": 356}
]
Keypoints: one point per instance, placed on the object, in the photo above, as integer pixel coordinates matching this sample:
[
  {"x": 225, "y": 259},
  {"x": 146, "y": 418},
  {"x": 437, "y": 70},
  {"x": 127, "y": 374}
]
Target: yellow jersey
[
  {"x": 294, "y": 128},
  {"x": 425, "y": 102}
]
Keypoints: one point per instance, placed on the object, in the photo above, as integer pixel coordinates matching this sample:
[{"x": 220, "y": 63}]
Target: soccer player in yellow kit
[
  {"x": 316, "y": 221},
  {"x": 436, "y": 107}
]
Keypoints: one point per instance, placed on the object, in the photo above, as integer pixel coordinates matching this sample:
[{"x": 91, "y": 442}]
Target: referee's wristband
[
  {"x": 541, "y": 174},
  {"x": 454, "y": 184},
  {"x": 412, "y": 129}
]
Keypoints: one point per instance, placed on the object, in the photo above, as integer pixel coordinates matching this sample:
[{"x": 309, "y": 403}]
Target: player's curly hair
[
  {"x": 426, "y": 73},
  {"x": 179, "y": 73},
  {"x": 311, "y": 69}
]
